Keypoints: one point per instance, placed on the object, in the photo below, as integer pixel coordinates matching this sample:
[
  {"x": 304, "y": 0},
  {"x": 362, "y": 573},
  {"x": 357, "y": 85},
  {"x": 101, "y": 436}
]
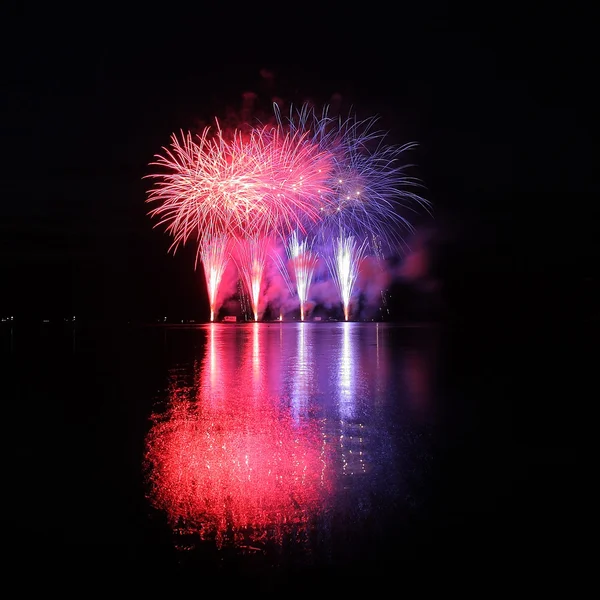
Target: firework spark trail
[
  {"x": 251, "y": 257},
  {"x": 303, "y": 262},
  {"x": 344, "y": 266},
  {"x": 214, "y": 254}
]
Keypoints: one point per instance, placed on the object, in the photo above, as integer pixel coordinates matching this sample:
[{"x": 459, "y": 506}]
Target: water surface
[{"x": 276, "y": 450}]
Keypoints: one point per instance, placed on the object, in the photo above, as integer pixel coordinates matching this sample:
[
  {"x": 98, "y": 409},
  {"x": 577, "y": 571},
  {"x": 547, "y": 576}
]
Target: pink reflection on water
[{"x": 239, "y": 469}]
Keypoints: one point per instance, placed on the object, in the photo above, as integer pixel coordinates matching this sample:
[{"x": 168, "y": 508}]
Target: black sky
[{"x": 497, "y": 99}]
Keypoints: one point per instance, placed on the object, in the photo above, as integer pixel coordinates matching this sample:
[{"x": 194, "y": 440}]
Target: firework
[
  {"x": 369, "y": 187},
  {"x": 295, "y": 174},
  {"x": 214, "y": 254},
  {"x": 198, "y": 192},
  {"x": 344, "y": 267},
  {"x": 308, "y": 175},
  {"x": 251, "y": 256},
  {"x": 263, "y": 183},
  {"x": 303, "y": 262}
]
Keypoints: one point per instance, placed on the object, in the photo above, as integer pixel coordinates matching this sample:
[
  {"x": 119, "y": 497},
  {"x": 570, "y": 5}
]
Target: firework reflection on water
[{"x": 276, "y": 429}]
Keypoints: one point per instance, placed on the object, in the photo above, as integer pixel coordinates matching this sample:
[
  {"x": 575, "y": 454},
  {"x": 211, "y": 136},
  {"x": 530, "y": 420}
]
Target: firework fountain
[
  {"x": 252, "y": 254},
  {"x": 214, "y": 255},
  {"x": 344, "y": 266},
  {"x": 303, "y": 262}
]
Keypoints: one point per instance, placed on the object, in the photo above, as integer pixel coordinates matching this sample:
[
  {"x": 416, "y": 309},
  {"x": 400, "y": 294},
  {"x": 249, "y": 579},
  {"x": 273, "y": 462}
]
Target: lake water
[{"x": 273, "y": 450}]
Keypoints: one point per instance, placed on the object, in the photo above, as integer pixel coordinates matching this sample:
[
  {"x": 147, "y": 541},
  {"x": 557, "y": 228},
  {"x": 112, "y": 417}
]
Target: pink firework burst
[{"x": 244, "y": 185}]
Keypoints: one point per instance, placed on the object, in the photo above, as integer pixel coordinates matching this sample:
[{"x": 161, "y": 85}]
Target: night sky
[{"x": 497, "y": 102}]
